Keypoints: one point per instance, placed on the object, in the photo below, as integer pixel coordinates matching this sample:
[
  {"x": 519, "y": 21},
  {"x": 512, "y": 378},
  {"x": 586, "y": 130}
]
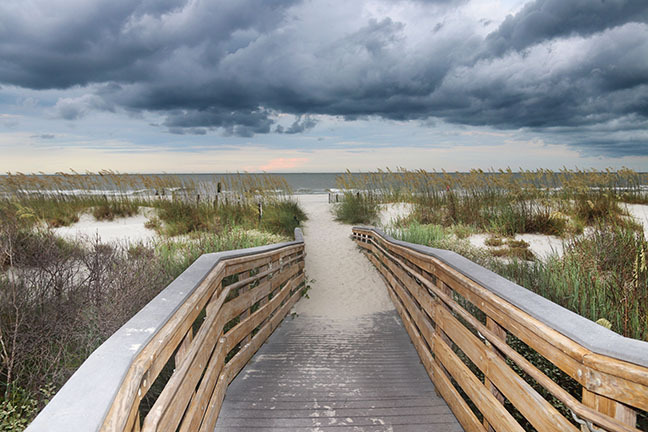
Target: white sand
[
  {"x": 477, "y": 240},
  {"x": 541, "y": 245},
  {"x": 392, "y": 212},
  {"x": 639, "y": 213},
  {"x": 346, "y": 283},
  {"x": 129, "y": 229}
]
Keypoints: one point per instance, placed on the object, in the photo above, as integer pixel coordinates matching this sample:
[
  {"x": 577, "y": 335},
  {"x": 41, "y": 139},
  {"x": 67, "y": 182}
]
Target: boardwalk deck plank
[{"x": 317, "y": 374}]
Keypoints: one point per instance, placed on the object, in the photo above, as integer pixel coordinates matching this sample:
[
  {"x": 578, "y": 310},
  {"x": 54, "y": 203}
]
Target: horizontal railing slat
[{"x": 426, "y": 286}]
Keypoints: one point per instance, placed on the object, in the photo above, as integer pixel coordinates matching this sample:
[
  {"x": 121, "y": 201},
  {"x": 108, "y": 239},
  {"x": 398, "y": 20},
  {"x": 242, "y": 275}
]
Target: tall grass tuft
[
  {"x": 112, "y": 209},
  {"x": 357, "y": 208},
  {"x": 282, "y": 217}
]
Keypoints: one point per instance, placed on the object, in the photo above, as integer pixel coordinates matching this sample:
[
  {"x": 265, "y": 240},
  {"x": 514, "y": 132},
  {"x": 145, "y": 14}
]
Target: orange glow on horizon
[{"x": 283, "y": 163}]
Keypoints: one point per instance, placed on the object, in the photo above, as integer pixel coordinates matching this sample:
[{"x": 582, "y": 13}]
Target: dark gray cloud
[
  {"x": 301, "y": 124},
  {"x": 234, "y": 66},
  {"x": 542, "y": 20},
  {"x": 59, "y": 43},
  {"x": 240, "y": 123}
]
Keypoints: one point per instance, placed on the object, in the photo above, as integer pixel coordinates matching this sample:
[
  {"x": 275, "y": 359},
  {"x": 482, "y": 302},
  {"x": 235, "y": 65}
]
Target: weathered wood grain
[
  {"x": 315, "y": 373},
  {"x": 424, "y": 283}
]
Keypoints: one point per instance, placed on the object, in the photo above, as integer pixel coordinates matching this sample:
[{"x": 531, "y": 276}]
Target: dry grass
[
  {"x": 506, "y": 202},
  {"x": 182, "y": 205}
]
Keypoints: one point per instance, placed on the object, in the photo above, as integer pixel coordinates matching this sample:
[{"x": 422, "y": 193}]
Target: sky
[{"x": 322, "y": 85}]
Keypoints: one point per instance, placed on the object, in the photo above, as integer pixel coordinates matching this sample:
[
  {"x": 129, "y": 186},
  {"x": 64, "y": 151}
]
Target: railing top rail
[
  {"x": 84, "y": 401},
  {"x": 587, "y": 333}
]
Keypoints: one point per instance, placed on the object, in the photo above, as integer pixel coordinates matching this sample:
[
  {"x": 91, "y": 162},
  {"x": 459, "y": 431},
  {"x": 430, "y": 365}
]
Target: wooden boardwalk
[{"x": 318, "y": 374}]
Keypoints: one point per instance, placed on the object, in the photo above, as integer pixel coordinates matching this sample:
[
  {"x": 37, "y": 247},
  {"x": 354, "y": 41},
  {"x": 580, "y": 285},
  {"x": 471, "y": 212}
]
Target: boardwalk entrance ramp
[{"x": 344, "y": 361}]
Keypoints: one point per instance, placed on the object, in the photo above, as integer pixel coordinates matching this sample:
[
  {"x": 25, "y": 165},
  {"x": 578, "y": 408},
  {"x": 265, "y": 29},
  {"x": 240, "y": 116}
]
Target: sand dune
[{"x": 129, "y": 229}]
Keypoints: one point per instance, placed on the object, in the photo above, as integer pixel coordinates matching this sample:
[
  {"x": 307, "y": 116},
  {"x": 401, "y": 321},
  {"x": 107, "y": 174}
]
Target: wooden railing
[
  {"x": 169, "y": 366},
  {"x": 490, "y": 346}
]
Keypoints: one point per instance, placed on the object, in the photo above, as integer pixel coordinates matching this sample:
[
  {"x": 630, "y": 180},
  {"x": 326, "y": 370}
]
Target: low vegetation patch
[
  {"x": 494, "y": 241},
  {"x": 176, "y": 255},
  {"x": 112, "y": 209},
  {"x": 506, "y": 202},
  {"x": 282, "y": 217},
  {"x": 520, "y": 253},
  {"x": 357, "y": 208}
]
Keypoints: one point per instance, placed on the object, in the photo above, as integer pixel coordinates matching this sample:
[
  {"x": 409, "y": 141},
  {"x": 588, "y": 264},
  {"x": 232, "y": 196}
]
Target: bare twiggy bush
[{"x": 59, "y": 301}]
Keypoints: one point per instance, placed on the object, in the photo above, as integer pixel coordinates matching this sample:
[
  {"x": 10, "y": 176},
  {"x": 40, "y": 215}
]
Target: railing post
[
  {"x": 610, "y": 407},
  {"x": 184, "y": 347},
  {"x": 447, "y": 291},
  {"x": 501, "y": 334},
  {"x": 242, "y": 291}
]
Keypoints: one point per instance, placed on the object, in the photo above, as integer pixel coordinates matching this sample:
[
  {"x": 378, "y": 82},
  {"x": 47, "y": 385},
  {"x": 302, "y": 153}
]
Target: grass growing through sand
[
  {"x": 181, "y": 205},
  {"x": 59, "y": 299},
  {"x": 602, "y": 273},
  {"x": 506, "y": 202},
  {"x": 357, "y": 208}
]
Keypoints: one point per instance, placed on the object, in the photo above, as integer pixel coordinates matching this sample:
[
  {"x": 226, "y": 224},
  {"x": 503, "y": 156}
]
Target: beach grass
[
  {"x": 357, "y": 208},
  {"x": 181, "y": 205},
  {"x": 546, "y": 202},
  {"x": 282, "y": 217}
]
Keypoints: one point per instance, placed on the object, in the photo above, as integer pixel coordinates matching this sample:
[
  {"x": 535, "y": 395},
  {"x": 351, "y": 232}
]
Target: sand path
[{"x": 345, "y": 285}]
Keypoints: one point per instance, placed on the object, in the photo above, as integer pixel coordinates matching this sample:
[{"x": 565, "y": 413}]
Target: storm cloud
[
  {"x": 237, "y": 67},
  {"x": 542, "y": 20}
]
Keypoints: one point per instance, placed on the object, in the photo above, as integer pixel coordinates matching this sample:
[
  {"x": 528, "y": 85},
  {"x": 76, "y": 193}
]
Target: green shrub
[
  {"x": 592, "y": 208},
  {"x": 282, "y": 217},
  {"x": 154, "y": 223},
  {"x": 112, "y": 209},
  {"x": 17, "y": 409},
  {"x": 357, "y": 208},
  {"x": 177, "y": 255},
  {"x": 428, "y": 235},
  {"x": 494, "y": 241},
  {"x": 181, "y": 217},
  {"x": 462, "y": 231},
  {"x": 518, "y": 253}
]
